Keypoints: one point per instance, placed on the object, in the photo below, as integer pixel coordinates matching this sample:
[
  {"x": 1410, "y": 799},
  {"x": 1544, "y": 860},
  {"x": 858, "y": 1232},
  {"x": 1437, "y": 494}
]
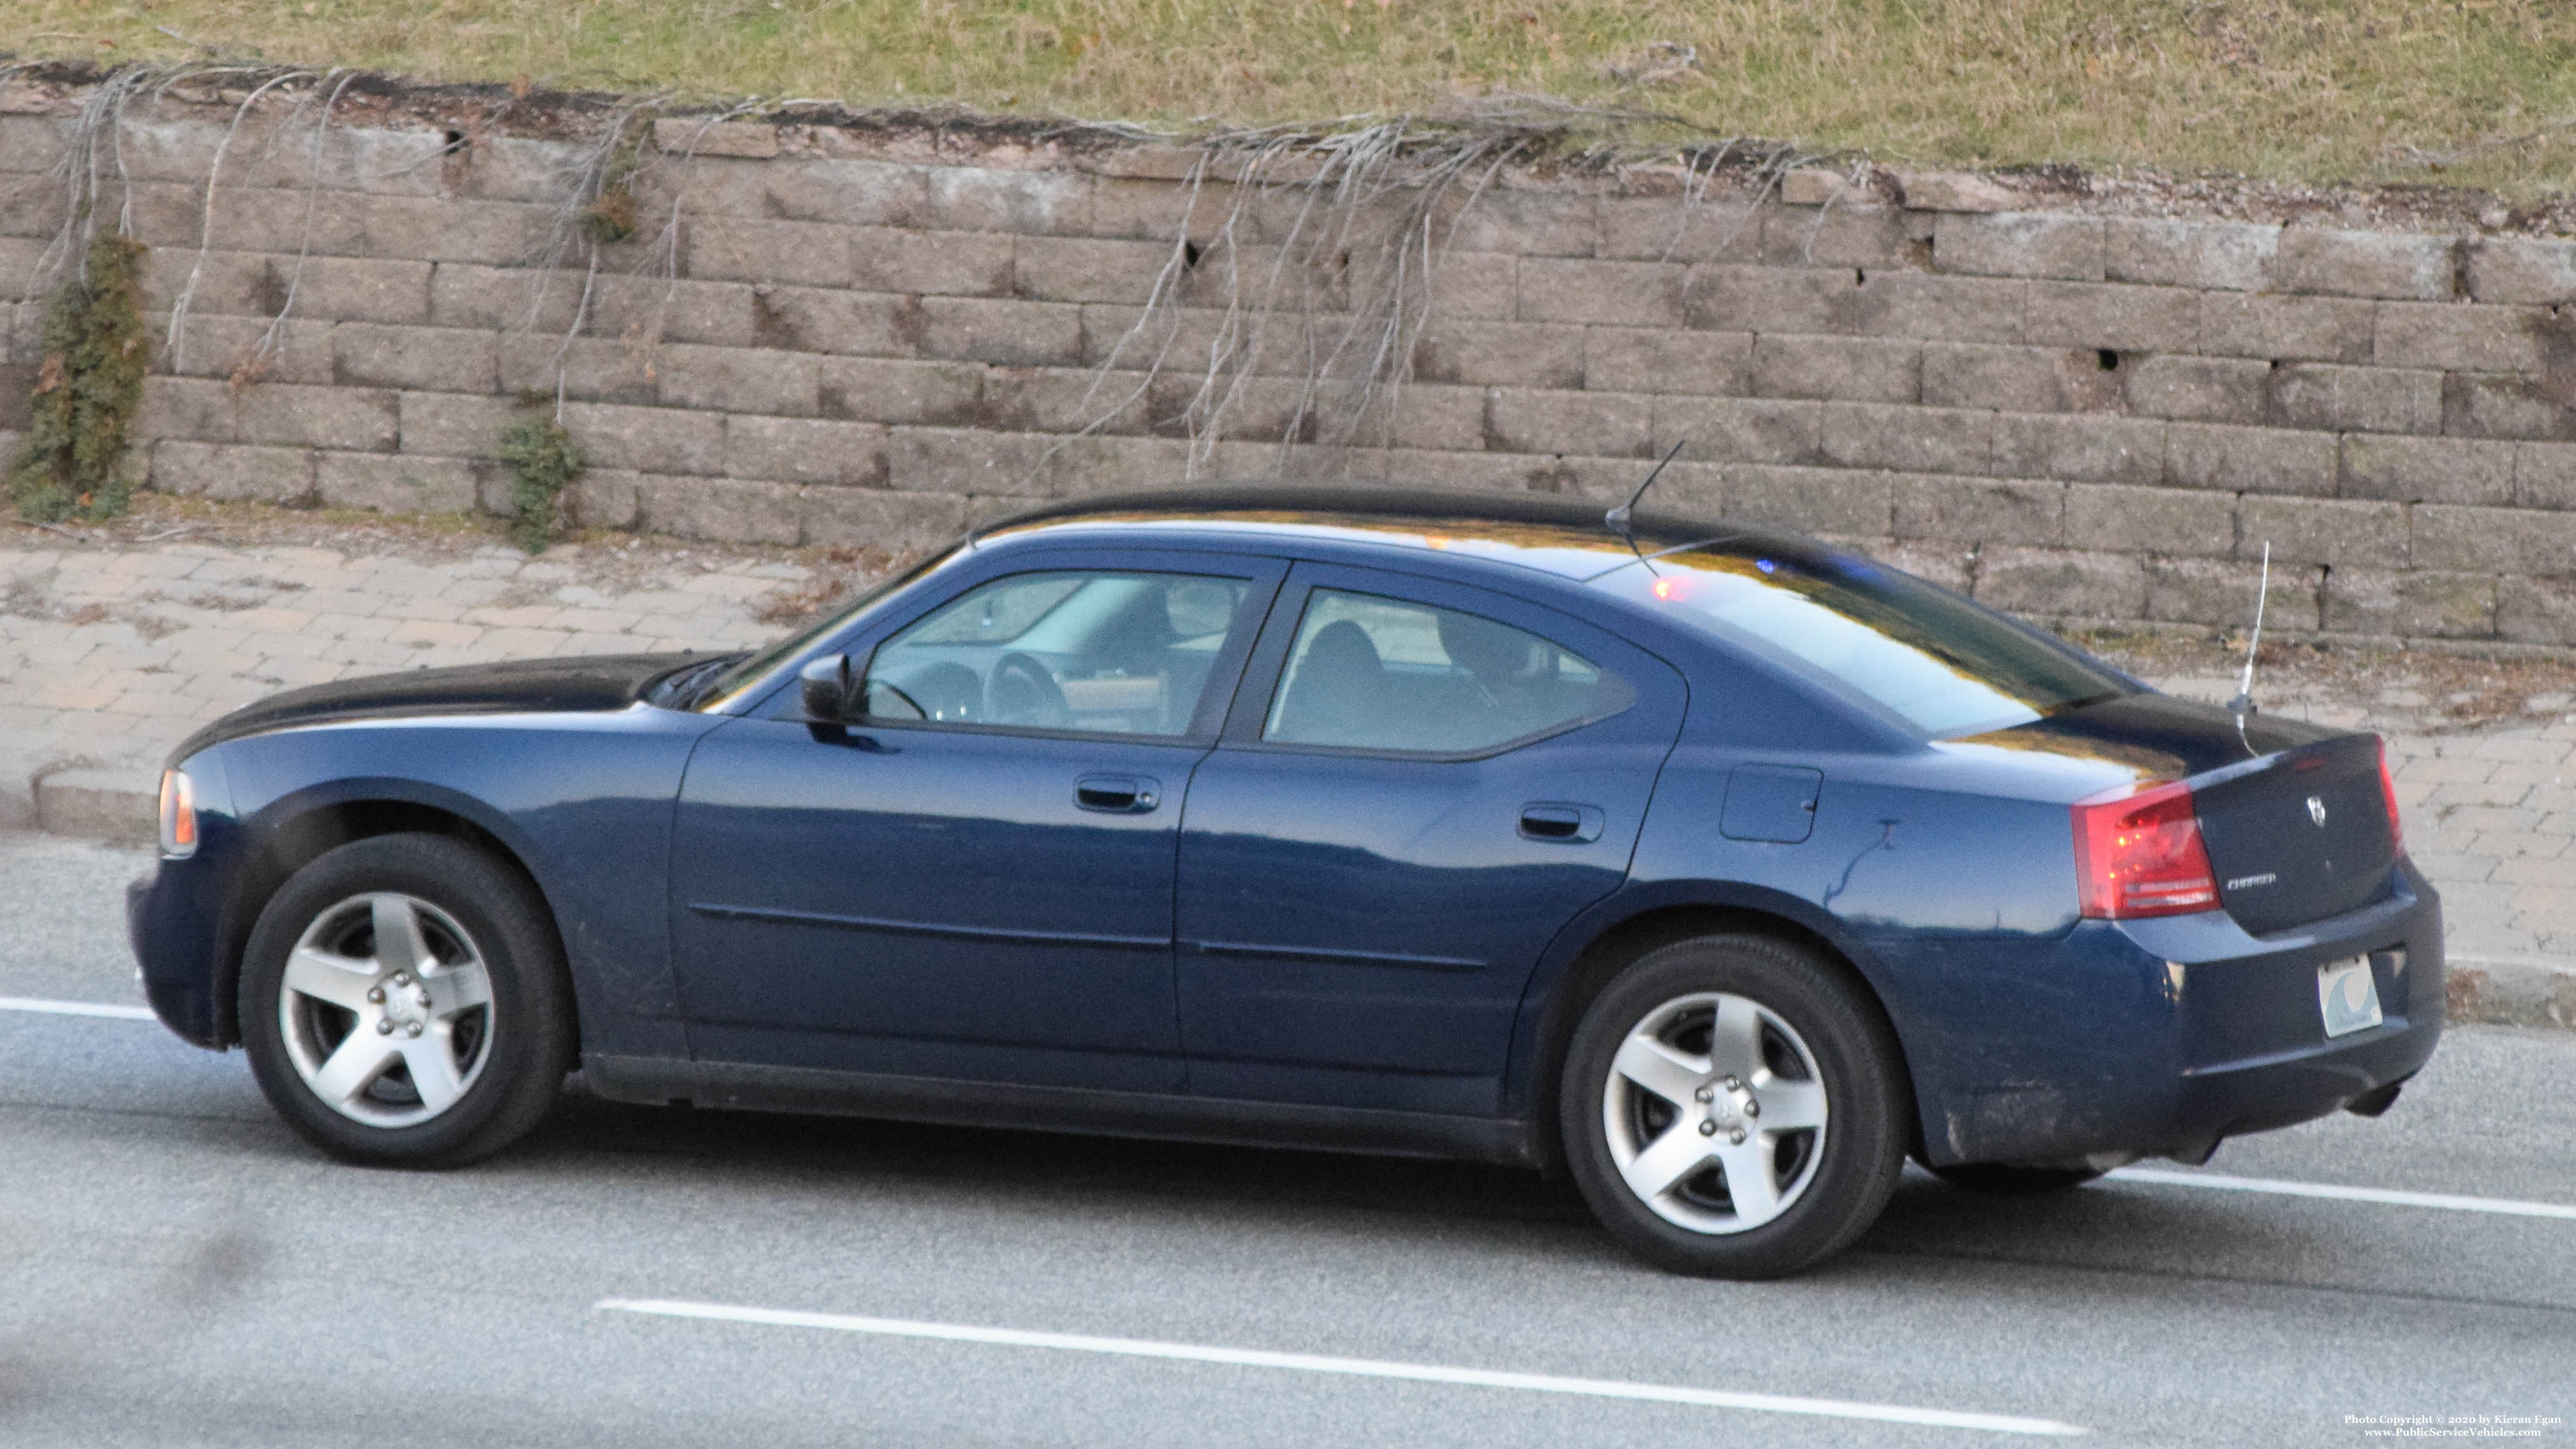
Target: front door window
[{"x": 1089, "y": 652}]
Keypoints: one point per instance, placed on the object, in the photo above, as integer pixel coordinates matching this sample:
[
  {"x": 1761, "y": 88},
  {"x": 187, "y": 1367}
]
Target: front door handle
[
  {"x": 1565, "y": 824},
  {"x": 1117, "y": 794}
]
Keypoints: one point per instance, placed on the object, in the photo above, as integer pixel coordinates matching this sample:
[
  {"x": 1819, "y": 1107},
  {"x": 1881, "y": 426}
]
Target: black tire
[
  {"x": 2007, "y": 1179},
  {"x": 1814, "y": 1023},
  {"x": 523, "y": 1042}
]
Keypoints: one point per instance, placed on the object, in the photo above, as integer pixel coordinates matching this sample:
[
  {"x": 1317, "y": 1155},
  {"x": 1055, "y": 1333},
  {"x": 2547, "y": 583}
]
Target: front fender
[{"x": 583, "y": 802}]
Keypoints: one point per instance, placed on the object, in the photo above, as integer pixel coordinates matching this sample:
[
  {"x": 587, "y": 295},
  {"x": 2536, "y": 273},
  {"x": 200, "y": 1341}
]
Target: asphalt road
[{"x": 176, "y": 1268}]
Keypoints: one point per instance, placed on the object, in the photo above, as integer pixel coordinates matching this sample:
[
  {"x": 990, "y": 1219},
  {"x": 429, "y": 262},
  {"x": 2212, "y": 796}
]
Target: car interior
[
  {"x": 1115, "y": 653},
  {"x": 1383, "y": 674}
]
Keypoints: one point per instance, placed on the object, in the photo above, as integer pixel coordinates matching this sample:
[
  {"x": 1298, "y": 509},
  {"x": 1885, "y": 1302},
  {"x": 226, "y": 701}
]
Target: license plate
[{"x": 2347, "y": 995}]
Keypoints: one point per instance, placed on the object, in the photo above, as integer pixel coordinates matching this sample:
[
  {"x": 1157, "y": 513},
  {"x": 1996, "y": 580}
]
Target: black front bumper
[{"x": 174, "y": 941}]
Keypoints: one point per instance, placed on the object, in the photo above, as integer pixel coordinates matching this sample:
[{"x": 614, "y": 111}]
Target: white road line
[
  {"x": 1358, "y": 1367},
  {"x": 2282, "y": 1187},
  {"x": 76, "y": 1008}
]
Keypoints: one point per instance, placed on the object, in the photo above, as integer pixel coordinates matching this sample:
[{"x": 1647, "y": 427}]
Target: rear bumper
[
  {"x": 2220, "y": 1034},
  {"x": 2236, "y": 1098}
]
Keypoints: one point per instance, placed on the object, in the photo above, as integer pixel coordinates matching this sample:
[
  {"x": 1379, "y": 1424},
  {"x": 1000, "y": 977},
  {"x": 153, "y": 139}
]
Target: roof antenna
[
  {"x": 1618, "y": 518},
  {"x": 2242, "y": 705}
]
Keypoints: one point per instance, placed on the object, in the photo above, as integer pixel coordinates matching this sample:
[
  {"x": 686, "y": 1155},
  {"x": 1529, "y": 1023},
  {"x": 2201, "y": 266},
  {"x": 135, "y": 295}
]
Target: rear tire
[
  {"x": 404, "y": 1003},
  {"x": 1734, "y": 1106}
]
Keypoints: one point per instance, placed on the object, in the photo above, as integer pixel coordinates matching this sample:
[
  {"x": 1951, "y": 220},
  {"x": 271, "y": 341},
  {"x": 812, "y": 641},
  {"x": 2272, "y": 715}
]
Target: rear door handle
[
  {"x": 1565, "y": 824},
  {"x": 1117, "y": 794}
]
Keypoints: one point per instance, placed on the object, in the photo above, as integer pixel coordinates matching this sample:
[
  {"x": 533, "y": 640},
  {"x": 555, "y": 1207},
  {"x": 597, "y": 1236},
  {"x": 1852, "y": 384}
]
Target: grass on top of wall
[{"x": 2320, "y": 91}]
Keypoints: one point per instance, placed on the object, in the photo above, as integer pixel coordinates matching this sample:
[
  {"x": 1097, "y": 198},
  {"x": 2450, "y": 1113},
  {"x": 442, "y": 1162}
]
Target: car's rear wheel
[
  {"x": 403, "y": 1003},
  {"x": 1733, "y": 1106}
]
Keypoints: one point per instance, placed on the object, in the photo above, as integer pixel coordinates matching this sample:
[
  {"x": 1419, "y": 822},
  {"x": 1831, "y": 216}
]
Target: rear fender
[{"x": 1639, "y": 917}]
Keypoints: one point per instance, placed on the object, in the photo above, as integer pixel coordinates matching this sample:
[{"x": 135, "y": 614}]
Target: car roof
[{"x": 1568, "y": 537}]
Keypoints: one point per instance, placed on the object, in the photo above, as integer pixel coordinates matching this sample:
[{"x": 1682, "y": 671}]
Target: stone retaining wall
[{"x": 873, "y": 335}]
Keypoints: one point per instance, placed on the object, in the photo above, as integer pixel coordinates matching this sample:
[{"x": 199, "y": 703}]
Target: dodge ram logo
[{"x": 2317, "y": 811}]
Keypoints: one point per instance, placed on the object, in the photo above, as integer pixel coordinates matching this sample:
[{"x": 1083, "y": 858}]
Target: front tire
[
  {"x": 403, "y": 1003},
  {"x": 1733, "y": 1107}
]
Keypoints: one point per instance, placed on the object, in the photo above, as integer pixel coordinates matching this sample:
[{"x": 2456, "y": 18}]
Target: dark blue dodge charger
[{"x": 1713, "y": 868}]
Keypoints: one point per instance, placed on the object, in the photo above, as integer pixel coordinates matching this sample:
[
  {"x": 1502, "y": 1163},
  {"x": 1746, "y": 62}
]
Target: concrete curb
[
  {"x": 119, "y": 805},
  {"x": 2514, "y": 991}
]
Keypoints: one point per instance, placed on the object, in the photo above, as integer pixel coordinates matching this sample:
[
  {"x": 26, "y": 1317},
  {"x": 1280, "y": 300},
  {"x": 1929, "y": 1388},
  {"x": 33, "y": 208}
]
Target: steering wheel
[
  {"x": 948, "y": 692},
  {"x": 1024, "y": 692}
]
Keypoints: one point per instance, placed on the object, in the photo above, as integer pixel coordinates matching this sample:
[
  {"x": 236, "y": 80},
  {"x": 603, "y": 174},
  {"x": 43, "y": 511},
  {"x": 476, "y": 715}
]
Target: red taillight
[
  {"x": 2139, "y": 854},
  {"x": 2388, "y": 794}
]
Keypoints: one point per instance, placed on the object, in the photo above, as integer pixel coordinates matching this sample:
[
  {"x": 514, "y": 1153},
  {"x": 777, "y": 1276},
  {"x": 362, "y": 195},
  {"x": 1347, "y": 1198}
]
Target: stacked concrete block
[{"x": 842, "y": 335}]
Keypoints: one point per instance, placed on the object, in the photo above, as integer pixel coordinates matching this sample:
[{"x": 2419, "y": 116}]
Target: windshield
[
  {"x": 1943, "y": 664},
  {"x": 723, "y": 689}
]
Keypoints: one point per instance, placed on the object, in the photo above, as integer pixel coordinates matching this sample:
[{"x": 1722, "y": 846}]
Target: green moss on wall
[
  {"x": 543, "y": 460},
  {"x": 88, "y": 389}
]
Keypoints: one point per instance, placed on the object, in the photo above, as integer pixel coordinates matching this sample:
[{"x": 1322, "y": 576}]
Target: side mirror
[{"x": 824, "y": 686}]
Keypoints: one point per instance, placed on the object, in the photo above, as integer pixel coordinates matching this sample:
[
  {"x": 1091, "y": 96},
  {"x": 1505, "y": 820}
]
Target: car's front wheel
[
  {"x": 403, "y": 1003},
  {"x": 1733, "y": 1106}
]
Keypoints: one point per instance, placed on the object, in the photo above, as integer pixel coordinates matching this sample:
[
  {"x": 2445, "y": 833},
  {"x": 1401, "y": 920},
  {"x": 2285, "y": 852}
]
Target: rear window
[{"x": 1944, "y": 665}]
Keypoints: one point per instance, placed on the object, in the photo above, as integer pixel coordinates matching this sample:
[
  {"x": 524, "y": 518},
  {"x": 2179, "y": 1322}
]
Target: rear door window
[{"x": 1368, "y": 672}]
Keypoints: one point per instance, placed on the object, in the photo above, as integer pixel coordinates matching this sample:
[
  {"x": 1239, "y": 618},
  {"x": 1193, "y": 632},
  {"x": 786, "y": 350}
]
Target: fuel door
[{"x": 1770, "y": 802}]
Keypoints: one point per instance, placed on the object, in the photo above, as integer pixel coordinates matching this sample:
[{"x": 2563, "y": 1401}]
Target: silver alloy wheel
[
  {"x": 1715, "y": 1112},
  {"x": 386, "y": 1009}
]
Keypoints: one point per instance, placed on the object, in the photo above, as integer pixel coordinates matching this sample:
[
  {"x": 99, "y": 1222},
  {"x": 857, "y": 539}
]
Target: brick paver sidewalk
[
  {"x": 2490, "y": 817},
  {"x": 109, "y": 655}
]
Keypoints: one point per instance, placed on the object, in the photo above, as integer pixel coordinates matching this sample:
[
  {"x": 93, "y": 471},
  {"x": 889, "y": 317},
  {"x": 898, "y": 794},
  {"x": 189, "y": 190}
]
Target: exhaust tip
[{"x": 2194, "y": 1154}]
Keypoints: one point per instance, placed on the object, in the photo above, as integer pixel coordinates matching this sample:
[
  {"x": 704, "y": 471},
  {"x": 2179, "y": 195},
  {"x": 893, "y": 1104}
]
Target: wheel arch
[
  {"x": 294, "y": 833},
  {"x": 1597, "y": 947}
]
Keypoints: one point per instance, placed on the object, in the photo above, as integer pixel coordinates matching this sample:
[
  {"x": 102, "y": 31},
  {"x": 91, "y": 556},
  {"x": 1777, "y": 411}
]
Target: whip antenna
[
  {"x": 2243, "y": 704},
  {"x": 1618, "y": 517}
]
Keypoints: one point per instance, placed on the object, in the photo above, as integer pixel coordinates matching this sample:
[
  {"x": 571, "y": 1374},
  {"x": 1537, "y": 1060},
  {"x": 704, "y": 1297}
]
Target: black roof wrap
[{"x": 593, "y": 683}]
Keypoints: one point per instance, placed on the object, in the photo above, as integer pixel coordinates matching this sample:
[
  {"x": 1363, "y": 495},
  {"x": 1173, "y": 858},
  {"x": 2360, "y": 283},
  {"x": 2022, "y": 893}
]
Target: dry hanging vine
[
  {"x": 1292, "y": 302},
  {"x": 1333, "y": 301},
  {"x": 613, "y": 213}
]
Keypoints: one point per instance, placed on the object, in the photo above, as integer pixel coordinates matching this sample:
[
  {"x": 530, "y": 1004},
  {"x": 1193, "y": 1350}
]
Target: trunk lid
[
  {"x": 2299, "y": 836},
  {"x": 2277, "y": 866}
]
